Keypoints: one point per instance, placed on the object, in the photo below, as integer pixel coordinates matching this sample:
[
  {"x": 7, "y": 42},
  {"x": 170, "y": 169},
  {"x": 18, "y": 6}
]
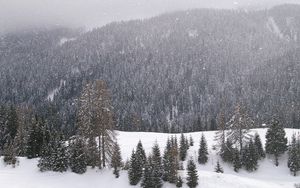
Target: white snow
[
  {"x": 52, "y": 93},
  {"x": 273, "y": 27},
  {"x": 64, "y": 40},
  {"x": 26, "y": 175}
]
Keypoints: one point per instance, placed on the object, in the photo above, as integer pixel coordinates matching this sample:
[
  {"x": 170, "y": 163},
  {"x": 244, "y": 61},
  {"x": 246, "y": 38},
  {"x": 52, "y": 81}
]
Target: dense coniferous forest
[{"x": 171, "y": 73}]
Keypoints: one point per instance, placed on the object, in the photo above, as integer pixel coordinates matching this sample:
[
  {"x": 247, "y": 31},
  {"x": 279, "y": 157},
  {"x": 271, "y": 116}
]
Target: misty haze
[{"x": 149, "y": 93}]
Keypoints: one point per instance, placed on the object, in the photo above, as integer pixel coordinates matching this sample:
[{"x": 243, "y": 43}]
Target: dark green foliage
[
  {"x": 276, "y": 142},
  {"x": 54, "y": 156},
  {"x": 191, "y": 141},
  {"x": 202, "y": 152},
  {"x": 237, "y": 164},
  {"x": 192, "y": 174},
  {"x": 259, "y": 147},
  {"x": 218, "y": 168},
  {"x": 250, "y": 157},
  {"x": 179, "y": 182},
  {"x": 116, "y": 160},
  {"x": 135, "y": 171},
  {"x": 92, "y": 153},
  {"x": 227, "y": 151},
  {"x": 183, "y": 148},
  {"x": 152, "y": 175},
  {"x": 78, "y": 158},
  {"x": 170, "y": 162},
  {"x": 294, "y": 156},
  {"x": 140, "y": 153},
  {"x": 36, "y": 138}
]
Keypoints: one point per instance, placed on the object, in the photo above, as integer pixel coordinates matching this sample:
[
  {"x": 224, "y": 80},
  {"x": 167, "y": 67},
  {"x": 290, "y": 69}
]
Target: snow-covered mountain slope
[{"x": 27, "y": 175}]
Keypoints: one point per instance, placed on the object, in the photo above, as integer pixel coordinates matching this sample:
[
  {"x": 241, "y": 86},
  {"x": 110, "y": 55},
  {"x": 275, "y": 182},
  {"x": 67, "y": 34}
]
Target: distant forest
[{"x": 173, "y": 73}]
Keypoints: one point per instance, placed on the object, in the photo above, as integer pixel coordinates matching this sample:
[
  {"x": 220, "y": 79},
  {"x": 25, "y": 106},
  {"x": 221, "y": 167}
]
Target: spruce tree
[
  {"x": 227, "y": 152},
  {"x": 191, "y": 141},
  {"x": 276, "y": 142},
  {"x": 237, "y": 164},
  {"x": 192, "y": 174},
  {"x": 170, "y": 163},
  {"x": 179, "y": 182},
  {"x": 59, "y": 155},
  {"x": 182, "y": 148},
  {"x": 140, "y": 152},
  {"x": 218, "y": 168},
  {"x": 157, "y": 161},
  {"x": 135, "y": 171},
  {"x": 78, "y": 158},
  {"x": 202, "y": 152},
  {"x": 259, "y": 147},
  {"x": 147, "y": 181},
  {"x": 116, "y": 160},
  {"x": 250, "y": 157},
  {"x": 294, "y": 156}
]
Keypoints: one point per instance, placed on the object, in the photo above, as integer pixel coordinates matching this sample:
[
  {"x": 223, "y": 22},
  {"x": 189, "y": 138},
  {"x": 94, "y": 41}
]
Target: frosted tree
[
  {"x": 77, "y": 156},
  {"x": 116, "y": 160},
  {"x": 294, "y": 156},
  {"x": 202, "y": 152},
  {"x": 239, "y": 126},
  {"x": 259, "y": 147},
  {"x": 192, "y": 174},
  {"x": 276, "y": 142}
]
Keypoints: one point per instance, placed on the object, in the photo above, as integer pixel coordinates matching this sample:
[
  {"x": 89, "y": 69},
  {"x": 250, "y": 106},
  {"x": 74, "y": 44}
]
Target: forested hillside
[{"x": 171, "y": 73}]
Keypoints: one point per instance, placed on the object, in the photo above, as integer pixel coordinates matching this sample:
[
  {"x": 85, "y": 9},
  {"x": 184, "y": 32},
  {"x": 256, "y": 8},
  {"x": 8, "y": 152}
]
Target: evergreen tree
[
  {"x": 45, "y": 162},
  {"x": 192, "y": 174},
  {"x": 259, "y": 147},
  {"x": 183, "y": 148},
  {"x": 227, "y": 152},
  {"x": 218, "y": 168},
  {"x": 36, "y": 138},
  {"x": 202, "y": 152},
  {"x": 147, "y": 176},
  {"x": 179, "y": 182},
  {"x": 59, "y": 156},
  {"x": 135, "y": 171},
  {"x": 156, "y": 167},
  {"x": 140, "y": 153},
  {"x": 78, "y": 159},
  {"x": 116, "y": 160},
  {"x": 294, "y": 156},
  {"x": 191, "y": 141},
  {"x": 237, "y": 164},
  {"x": 10, "y": 156},
  {"x": 276, "y": 142},
  {"x": 250, "y": 157},
  {"x": 92, "y": 153},
  {"x": 170, "y": 163}
]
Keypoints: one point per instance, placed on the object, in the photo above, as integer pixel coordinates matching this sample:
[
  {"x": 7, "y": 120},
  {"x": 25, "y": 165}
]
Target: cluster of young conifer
[{"x": 155, "y": 169}]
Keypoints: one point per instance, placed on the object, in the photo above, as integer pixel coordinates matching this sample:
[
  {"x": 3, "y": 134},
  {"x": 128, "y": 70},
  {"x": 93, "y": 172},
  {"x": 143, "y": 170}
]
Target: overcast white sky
[{"x": 17, "y": 14}]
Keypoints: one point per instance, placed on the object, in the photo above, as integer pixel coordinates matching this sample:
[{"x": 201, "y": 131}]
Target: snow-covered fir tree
[
  {"x": 77, "y": 156},
  {"x": 202, "y": 152},
  {"x": 183, "y": 148},
  {"x": 192, "y": 174},
  {"x": 276, "y": 142},
  {"x": 218, "y": 168},
  {"x": 116, "y": 160},
  {"x": 258, "y": 145},
  {"x": 294, "y": 156}
]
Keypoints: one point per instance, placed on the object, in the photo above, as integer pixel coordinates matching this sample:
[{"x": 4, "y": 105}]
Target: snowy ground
[{"x": 27, "y": 175}]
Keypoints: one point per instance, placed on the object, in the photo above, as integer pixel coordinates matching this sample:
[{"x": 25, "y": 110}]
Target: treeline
[{"x": 171, "y": 73}]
